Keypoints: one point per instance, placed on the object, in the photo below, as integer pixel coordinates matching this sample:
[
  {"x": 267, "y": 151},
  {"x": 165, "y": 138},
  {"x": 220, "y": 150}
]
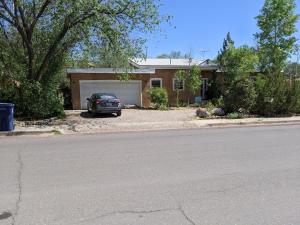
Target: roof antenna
[{"x": 203, "y": 53}]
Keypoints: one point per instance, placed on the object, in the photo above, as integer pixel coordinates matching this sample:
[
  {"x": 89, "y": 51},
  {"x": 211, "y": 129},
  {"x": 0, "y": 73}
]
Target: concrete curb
[
  {"x": 254, "y": 123},
  {"x": 28, "y": 133}
]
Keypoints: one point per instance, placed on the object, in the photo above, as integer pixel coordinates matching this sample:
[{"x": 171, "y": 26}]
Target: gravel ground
[
  {"x": 138, "y": 120},
  {"x": 81, "y": 121}
]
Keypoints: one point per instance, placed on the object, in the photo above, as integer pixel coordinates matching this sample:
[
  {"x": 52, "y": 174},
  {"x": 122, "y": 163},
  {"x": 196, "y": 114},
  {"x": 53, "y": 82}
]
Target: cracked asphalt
[{"x": 228, "y": 176}]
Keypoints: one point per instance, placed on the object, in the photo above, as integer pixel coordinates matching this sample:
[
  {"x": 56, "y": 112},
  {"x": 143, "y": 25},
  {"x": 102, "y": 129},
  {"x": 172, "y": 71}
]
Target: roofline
[
  {"x": 204, "y": 67},
  {"x": 211, "y": 67},
  {"x": 110, "y": 70}
]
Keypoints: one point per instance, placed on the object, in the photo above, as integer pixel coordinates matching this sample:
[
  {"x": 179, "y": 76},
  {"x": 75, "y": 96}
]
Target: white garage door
[{"x": 128, "y": 92}]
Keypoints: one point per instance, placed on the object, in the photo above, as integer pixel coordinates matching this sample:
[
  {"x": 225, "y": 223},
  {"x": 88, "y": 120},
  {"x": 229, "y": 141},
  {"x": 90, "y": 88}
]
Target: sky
[{"x": 201, "y": 25}]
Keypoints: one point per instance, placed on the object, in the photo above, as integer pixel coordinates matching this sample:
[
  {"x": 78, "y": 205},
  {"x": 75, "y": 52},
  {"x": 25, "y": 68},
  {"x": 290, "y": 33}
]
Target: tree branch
[{"x": 40, "y": 13}]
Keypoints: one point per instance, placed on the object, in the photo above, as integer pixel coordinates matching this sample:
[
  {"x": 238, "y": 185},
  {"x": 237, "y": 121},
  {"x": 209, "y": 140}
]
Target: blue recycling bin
[
  {"x": 198, "y": 100},
  {"x": 6, "y": 117}
]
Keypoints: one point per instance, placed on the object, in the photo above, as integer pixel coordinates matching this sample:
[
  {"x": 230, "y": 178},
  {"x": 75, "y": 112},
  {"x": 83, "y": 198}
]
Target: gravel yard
[
  {"x": 139, "y": 120},
  {"x": 81, "y": 121}
]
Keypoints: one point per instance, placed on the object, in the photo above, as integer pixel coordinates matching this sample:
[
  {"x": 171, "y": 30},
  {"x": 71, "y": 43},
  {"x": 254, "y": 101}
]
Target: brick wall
[{"x": 166, "y": 75}]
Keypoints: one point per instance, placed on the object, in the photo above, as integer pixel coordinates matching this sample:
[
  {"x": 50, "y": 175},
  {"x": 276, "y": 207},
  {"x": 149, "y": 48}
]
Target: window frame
[
  {"x": 183, "y": 85},
  {"x": 156, "y": 79}
]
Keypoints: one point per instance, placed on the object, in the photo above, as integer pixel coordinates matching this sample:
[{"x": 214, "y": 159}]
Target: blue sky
[{"x": 202, "y": 25}]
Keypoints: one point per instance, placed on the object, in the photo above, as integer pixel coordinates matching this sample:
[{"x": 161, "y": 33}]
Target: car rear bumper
[{"x": 107, "y": 110}]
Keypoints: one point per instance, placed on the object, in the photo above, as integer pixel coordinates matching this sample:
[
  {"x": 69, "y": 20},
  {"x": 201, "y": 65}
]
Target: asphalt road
[{"x": 210, "y": 176}]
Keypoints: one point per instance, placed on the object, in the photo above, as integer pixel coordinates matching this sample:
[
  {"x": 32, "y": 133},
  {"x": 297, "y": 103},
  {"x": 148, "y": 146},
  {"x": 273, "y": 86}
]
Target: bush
[
  {"x": 275, "y": 96},
  {"x": 159, "y": 97},
  {"x": 236, "y": 115},
  {"x": 208, "y": 105},
  {"x": 241, "y": 96},
  {"x": 293, "y": 97},
  {"x": 33, "y": 100},
  {"x": 218, "y": 102}
]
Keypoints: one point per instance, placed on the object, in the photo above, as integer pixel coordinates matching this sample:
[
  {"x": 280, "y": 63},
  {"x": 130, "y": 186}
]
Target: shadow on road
[
  {"x": 5, "y": 215},
  {"x": 92, "y": 115}
]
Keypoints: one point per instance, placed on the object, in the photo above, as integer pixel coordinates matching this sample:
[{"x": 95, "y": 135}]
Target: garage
[{"x": 130, "y": 92}]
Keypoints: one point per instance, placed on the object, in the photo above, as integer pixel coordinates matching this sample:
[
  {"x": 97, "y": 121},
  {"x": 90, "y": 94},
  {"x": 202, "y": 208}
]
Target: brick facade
[{"x": 166, "y": 75}]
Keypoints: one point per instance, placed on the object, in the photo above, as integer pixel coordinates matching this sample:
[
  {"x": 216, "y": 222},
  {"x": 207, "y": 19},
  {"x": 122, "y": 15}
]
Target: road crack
[
  {"x": 124, "y": 212},
  {"x": 181, "y": 210},
  {"x": 19, "y": 187},
  {"x": 141, "y": 212}
]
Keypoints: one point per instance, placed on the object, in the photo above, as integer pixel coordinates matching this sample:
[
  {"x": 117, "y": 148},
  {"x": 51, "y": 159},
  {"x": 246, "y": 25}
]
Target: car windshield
[{"x": 106, "y": 96}]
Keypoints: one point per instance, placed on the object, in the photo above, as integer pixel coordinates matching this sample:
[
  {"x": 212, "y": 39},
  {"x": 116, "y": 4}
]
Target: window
[
  {"x": 156, "y": 83},
  {"x": 178, "y": 85}
]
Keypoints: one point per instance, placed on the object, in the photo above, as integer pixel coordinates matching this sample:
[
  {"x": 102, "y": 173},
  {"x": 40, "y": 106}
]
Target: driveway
[
  {"x": 131, "y": 119},
  {"x": 191, "y": 177}
]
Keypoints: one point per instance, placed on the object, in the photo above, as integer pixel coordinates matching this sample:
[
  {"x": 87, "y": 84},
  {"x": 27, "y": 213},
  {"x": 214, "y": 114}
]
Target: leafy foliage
[
  {"x": 174, "y": 55},
  {"x": 240, "y": 61},
  {"x": 240, "y": 96},
  {"x": 276, "y": 39},
  {"x": 236, "y": 115},
  {"x": 159, "y": 97},
  {"x": 277, "y": 95},
  {"x": 294, "y": 96},
  {"x": 37, "y": 36},
  {"x": 193, "y": 80}
]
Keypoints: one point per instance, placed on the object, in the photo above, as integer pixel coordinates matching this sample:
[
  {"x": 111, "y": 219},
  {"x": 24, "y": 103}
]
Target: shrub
[
  {"x": 33, "y": 100},
  {"x": 293, "y": 97},
  {"x": 241, "y": 96},
  {"x": 218, "y": 102},
  {"x": 159, "y": 97},
  {"x": 208, "y": 105},
  {"x": 236, "y": 115},
  {"x": 274, "y": 95}
]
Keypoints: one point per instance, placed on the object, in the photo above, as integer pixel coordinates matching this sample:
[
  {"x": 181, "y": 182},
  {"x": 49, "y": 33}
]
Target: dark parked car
[{"x": 104, "y": 103}]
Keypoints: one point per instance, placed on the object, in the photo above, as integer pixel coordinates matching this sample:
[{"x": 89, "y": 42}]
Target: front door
[{"x": 204, "y": 88}]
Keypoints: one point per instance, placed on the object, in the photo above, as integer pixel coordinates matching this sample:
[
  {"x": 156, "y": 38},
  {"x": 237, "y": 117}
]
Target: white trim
[
  {"x": 111, "y": 81},
  {"x": 174, "y": 85},
  {"x": 160, "y": 79}
]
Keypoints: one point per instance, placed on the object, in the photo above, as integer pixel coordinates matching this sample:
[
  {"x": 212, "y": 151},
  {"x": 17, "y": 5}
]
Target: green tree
[
  {"x": 228, "y": 44},
  {"x": 235, "y": 63},
  {"x": 276, "y": 39},
  {"x": 241, "y": 96},
  {"x": 193, "y": 80},
  {"x": 36, "y": 37},
  {"x": 174, "y": 55},
  {"x": 181, "y": 76}
]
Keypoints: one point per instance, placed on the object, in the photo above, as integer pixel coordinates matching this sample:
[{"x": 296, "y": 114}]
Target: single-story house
[{"x": 145, "y": 74}]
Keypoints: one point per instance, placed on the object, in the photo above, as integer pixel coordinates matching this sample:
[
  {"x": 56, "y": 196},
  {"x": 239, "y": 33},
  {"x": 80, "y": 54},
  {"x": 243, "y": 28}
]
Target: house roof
[
  {"x": 172, "y": 63},
  {"x": 166, "y": 62},
  {"x": 111, "y": 71}
]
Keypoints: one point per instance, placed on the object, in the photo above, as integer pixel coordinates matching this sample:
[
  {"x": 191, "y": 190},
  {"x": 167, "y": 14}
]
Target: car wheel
[{"x": 119, "y": 113}]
